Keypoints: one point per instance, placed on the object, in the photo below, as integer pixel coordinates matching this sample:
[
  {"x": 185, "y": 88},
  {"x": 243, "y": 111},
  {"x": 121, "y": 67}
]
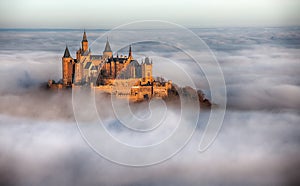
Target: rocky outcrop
[{"x": 175, "y": 92}]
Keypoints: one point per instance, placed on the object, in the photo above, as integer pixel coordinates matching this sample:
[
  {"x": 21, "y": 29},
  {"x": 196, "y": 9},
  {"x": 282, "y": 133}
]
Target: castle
[{"x": 121, "y": 75}]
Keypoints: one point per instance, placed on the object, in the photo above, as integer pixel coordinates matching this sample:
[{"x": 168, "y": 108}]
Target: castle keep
[{"x": 121, "y": 75}]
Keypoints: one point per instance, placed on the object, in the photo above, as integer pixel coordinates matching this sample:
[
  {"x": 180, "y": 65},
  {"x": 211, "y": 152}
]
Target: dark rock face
[{"x": 175, "y": 92}]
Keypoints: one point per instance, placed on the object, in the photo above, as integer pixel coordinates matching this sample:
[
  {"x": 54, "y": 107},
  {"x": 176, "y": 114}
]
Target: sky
[{"x": 111, "y": 13}]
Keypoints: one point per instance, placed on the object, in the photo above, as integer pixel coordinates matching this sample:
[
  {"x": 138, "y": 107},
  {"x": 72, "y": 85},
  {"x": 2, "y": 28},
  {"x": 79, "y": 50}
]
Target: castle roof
[
  {"x": 107, "y": 47},
  {"x": 116, "y": 59},
  {"x": 134, "y": 63},
  {"x": 88, "y": 65},
  {"x": 67, "y": 53},
  {"x": 94, "y": 68},
  {"x": 147, "y": 61},
  {"x": 85, "y": 53}
]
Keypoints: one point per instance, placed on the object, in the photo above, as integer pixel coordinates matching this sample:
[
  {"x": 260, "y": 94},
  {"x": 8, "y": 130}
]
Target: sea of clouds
[{"x": 258, "y": 143}]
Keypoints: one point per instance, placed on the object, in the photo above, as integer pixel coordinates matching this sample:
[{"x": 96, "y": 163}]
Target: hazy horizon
[
  {"x": 108, "y": 29},
  {"x": 109, "y": 14}
]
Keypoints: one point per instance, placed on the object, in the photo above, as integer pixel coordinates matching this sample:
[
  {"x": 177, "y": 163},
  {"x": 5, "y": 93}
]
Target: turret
[
  {"x": 147, "y": 71},
  {"x": 84, "y": 42},
  {"x": 67, "y": 67}
]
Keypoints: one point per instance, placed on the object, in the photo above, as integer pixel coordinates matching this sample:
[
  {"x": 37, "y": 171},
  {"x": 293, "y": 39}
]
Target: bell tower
[{"x": 84, "y": 42}]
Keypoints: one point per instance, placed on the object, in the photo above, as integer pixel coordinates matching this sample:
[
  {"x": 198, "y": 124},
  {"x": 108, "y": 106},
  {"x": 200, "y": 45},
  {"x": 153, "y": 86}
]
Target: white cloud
[{"x": 258, "y": 143}]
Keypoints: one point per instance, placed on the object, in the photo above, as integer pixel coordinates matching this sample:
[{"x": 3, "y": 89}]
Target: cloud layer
[
  {"x": 257, "y": 145},
  {"x": 246, "y": 152}
]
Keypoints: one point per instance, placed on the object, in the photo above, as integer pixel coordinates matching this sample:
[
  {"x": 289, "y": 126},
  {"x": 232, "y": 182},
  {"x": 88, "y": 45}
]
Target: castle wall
[{"x": 78, "y": 73}]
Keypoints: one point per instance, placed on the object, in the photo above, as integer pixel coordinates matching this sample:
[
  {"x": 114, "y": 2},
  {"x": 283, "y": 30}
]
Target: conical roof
[
  {"x": 67, "y": 53},
  {"x": 147, "y": 61},
  {"x": 107, "y": 47}
]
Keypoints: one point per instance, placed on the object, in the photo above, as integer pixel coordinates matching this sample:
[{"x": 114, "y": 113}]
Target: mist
[{"x": 258, "y": 144}]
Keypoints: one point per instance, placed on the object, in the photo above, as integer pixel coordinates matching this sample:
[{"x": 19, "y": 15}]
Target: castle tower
[
  {"x": 84, "y": 42},
  {"x": 147, "y": 71},
  {"x": 67, "y": 67},
  {"x": 107, "y": 53}
]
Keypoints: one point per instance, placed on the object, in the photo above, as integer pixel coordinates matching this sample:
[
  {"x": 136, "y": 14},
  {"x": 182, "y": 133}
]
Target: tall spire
[
  {"x": 130, "y": 52},
  {"x": 84, "y": 38},
  {"x": 107, "y": 46},
  {"x": 67, "y": 53}
]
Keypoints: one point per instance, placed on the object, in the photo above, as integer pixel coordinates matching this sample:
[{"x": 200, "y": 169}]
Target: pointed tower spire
[
  {"x": 107, "y": 46},
  {"x": 84, "y": 38},
  {"x": 67, "y": 53},
  {"x": 130, "y": 52}
]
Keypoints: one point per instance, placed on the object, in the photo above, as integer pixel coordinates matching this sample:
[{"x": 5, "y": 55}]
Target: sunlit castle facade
[{"x": 113, "y": 74}]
